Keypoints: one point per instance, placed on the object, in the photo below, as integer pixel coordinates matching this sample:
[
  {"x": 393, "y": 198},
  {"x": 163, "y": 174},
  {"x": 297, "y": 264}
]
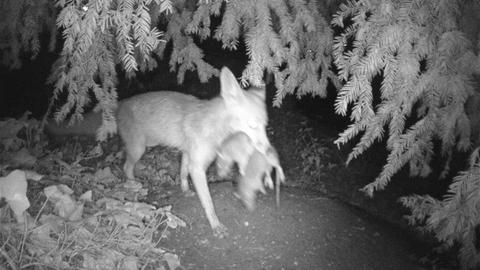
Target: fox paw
[{"x": 220, "y": 231}]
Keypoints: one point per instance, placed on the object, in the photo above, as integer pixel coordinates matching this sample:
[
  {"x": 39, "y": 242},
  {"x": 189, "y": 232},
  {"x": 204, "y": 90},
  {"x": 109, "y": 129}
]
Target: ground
[{"x": 308, "y": 231}]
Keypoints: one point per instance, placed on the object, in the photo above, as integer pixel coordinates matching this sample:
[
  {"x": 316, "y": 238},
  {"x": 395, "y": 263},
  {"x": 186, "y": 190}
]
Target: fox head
[{"x": 247, "y": 109}]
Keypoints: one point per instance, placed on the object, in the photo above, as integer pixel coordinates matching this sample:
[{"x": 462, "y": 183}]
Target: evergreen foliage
[
  {"x": 98, "y": 35},
  {"x": 392, "y": 39},
  {"x": 456, "y": 218},
  {"x": 288, "y": 38},
  {"x": 186, "y": 55}
]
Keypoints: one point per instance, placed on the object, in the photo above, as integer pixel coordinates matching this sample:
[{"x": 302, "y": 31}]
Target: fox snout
[{"x": 257, "y": 134}]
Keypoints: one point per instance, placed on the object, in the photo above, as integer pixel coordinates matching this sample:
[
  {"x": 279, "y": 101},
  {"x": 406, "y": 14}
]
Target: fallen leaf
[
  {"x": 9, "y": 128},
  {"x": 174, "y": 221},
  {"x": 65, "y": 205},
  {"x": 120, "y": 195},
  {"x": 125, "y": 219},
  {"x": 23, "y": 158},
  {"x": 56, "y": 260},
  {"x": 129, "y": 263},
  {"x": 96, "y": 151},
  {"x": 11, "y": 144},
  {"x": 89, "y": 262},
  {"x": 86, "y": 197},
  {"x": 105, "y": 175},
  {"x": 108, "y": 202},
  {"x": 13, "y": 188},
  {"x": 77, "y": 212},
  {"x": 53, "y": 222},
  {"x": 172, "y": 260},
  {"x": 142, "y": 210},
  {"x": 132, "y": 185},
  {"x": 41, "y": 239},
  {"x": 129, "y": 191},
  {"x": 109, "y": 259},
  {"x": 31, "y": 175}
]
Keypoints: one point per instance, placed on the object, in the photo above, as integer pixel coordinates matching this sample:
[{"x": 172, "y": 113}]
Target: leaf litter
[{"x": 72, "y": 215}]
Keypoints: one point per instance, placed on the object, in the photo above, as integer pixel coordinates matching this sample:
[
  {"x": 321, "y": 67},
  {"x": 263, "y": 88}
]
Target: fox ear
[{"x": 229, "y": 87}]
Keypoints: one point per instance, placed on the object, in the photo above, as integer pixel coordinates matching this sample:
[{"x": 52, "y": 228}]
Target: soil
[{"x": 308, "y": 231}]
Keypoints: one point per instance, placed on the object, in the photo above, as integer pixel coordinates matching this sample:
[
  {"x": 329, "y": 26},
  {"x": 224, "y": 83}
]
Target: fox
[
  {"x": 196, "y": 127},
  {"x": 253, "y": 166}
]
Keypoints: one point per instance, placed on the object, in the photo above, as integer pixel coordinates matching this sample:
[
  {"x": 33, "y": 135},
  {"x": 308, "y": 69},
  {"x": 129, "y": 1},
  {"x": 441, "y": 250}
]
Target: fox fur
[{"x": 196, "y": 127}]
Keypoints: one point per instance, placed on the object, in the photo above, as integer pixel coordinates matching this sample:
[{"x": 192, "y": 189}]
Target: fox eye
[{"x": 252, "y": 124}]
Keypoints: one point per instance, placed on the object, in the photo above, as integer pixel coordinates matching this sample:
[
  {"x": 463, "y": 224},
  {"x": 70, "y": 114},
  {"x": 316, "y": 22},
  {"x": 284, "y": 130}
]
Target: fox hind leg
[
  {"x": 184, "y": 175},
  {"x": 133, "y": 153},
  {"x": 224, "y": 165}
]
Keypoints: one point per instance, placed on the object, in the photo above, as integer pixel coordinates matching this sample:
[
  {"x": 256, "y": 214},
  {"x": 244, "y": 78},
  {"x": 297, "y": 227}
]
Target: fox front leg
[
  {"x": 199, "y": 180},
  {"x": 198, "y": 163}
]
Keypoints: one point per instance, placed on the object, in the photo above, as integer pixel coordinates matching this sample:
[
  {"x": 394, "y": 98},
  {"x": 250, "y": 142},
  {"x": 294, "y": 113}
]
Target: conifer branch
[
  {"x": 387, "y": 42},
  {"x": 98, "y": 36},
  {"x": 455, "y": 218}
]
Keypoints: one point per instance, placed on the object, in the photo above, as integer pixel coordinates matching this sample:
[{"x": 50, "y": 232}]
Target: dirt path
[{"x": 308, "y": 232}]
